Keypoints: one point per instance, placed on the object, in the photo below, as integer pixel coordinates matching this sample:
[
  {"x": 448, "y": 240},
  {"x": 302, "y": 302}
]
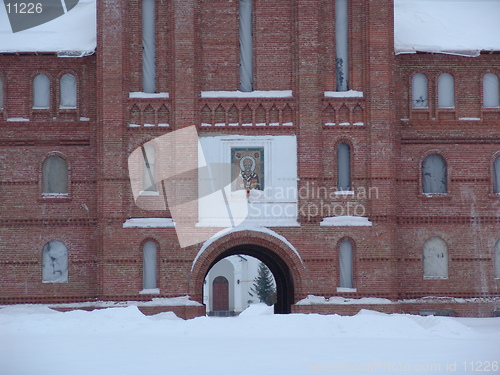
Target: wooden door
[{"x": 220, "y": 294}]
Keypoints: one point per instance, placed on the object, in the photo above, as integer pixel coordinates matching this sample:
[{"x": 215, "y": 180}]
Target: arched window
[
  {"x": 41, "y": 91},
  {"x": 55, "y": 176},
  {"x": 491, "y": 91},
  {"x": 497, "y": 260},
  {"x": 446, "y": 91},
  {"x": 246, "y": 46},
  {"x": 344, "y": 167},
  {"x": 149, "y": 168},
  {"x": 148, "y": 46},
  {"x": 420, "y": 91},
  {"x": 435, "y": 258},
  {"x": 496, "y": 175},
  {"x": 434, "y": 180},
  {"x": 149, "y": 265},
  {"x": 55, "y": 262},
  {"x": 346, "y": 264},
  {"x": 67, "y": 91},
  {"x": 1, "y": 93}
]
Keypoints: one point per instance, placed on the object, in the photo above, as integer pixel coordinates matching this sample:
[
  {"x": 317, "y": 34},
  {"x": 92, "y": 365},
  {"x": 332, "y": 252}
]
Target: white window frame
[
  {"x": 41, "y": 91},
  {"x": 431, "y": 264}
]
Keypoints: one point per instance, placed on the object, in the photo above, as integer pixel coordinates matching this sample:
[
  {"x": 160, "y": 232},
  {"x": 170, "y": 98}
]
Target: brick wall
[{"x": 197, "y": 50}]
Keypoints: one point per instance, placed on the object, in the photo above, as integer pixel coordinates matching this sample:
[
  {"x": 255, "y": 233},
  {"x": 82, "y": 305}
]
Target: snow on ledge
[
  {"x": 240, "y": 228},
  {"x": 345, "y": 221},
  {"x": 320, "y": 300},
  {"x": 150, "y": 291},
  {"x": 149, "y": 222},
  {"x": 172, "y": 301},
  {"x": 344, "y": 94},
  {"x": 15, "y": 119},
  {"x": 147, "y": 95},
  {"x": 251, "y": 94}
]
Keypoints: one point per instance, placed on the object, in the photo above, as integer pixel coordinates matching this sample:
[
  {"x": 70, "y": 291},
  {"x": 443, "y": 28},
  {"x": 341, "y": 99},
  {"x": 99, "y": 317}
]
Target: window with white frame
[
  {"x": 420, "y": 91},
  {"x": 435, "y": 258},
  {"x": 41, "y": 91},
  {"x": 149, "y": 168},
  {"x": 55, "y": 262},
  {"x": 149, "y": 265},
  {"x": 496, "y": 175},
  {"x": 1, "y": 93},
  {"x": 343, "y": 167},
  {"x": 497, "y": 260},
  {"x": 491, "y": 91},
  {"x": 55, "y": 176},
  {"x": 246, "y": 46},
  {"x": 434, "y": 175},
  {"x": 342, "y": 44},
  {"x": 148, "y": 46},
  {"x": 67, "y": 91},
  {"x": 346, "y": 264},
  {"x": 446, "y": 91}
]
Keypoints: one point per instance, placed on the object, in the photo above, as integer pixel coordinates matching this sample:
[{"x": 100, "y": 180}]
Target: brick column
[
  {"x": 384, "y": 139},
  {"x": 307, "y": 90},
  {"x": 112, "y": 168}
]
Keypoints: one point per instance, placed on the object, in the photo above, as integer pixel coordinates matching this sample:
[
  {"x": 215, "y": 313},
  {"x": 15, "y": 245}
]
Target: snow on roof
[
  {"x": 71, "y": 33},
  {"x": 459, "y": 27}
]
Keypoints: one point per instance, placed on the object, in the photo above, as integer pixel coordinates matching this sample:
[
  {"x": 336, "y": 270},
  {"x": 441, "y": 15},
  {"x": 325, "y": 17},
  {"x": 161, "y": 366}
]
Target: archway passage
[
  {"x": 220, "y": 294},
  {"x": 278, "y": 267}
]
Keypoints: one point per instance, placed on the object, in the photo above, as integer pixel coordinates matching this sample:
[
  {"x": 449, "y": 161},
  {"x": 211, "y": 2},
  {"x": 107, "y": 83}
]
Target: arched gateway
[{"x": 267, "y": 246}]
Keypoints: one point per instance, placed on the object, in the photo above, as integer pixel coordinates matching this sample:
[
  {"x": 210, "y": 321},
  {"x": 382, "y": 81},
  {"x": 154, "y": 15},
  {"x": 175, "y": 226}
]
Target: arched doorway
[{"x": 278, "y": 267}]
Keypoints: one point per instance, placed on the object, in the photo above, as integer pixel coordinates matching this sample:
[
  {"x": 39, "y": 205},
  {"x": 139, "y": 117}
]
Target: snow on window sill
[
  {"x": 67, "y": 108},
  {"x": 55, "y": 195},
  {"x": 346, "y": 290},
  {"x": 435, "y": 277},
  {"x": 344, "y": 94},
  {"x": 54, "y": 282},
  {"x": 16, "y": 119},
  {"x": 40, "y": 108},
  {"x": 150, "y": 291},
  {"x": 469, "y": 119},
  {"x": 146, "y": 95},
  {"x": 344, "y": 192},
  {"x": 437, "y": 196}
]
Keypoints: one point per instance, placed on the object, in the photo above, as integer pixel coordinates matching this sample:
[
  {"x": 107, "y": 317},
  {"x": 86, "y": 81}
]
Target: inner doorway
[
  {"x": 281, "y": 274},
  {"x": 220, "y": 294}
]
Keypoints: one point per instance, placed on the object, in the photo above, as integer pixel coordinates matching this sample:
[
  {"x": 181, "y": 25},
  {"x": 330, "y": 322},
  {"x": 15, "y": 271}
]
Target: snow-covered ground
[{"x": 38, "y": 340}]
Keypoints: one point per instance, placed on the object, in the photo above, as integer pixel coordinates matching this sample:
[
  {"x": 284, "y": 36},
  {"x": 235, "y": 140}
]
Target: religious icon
[{"x": 247, "y": 170}]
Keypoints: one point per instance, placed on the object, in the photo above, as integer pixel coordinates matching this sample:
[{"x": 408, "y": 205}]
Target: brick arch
[{"x": 282, "y": 260}]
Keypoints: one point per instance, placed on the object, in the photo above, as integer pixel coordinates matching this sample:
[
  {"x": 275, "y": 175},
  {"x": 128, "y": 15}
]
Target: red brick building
[{"x": 324, "y": 104}]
